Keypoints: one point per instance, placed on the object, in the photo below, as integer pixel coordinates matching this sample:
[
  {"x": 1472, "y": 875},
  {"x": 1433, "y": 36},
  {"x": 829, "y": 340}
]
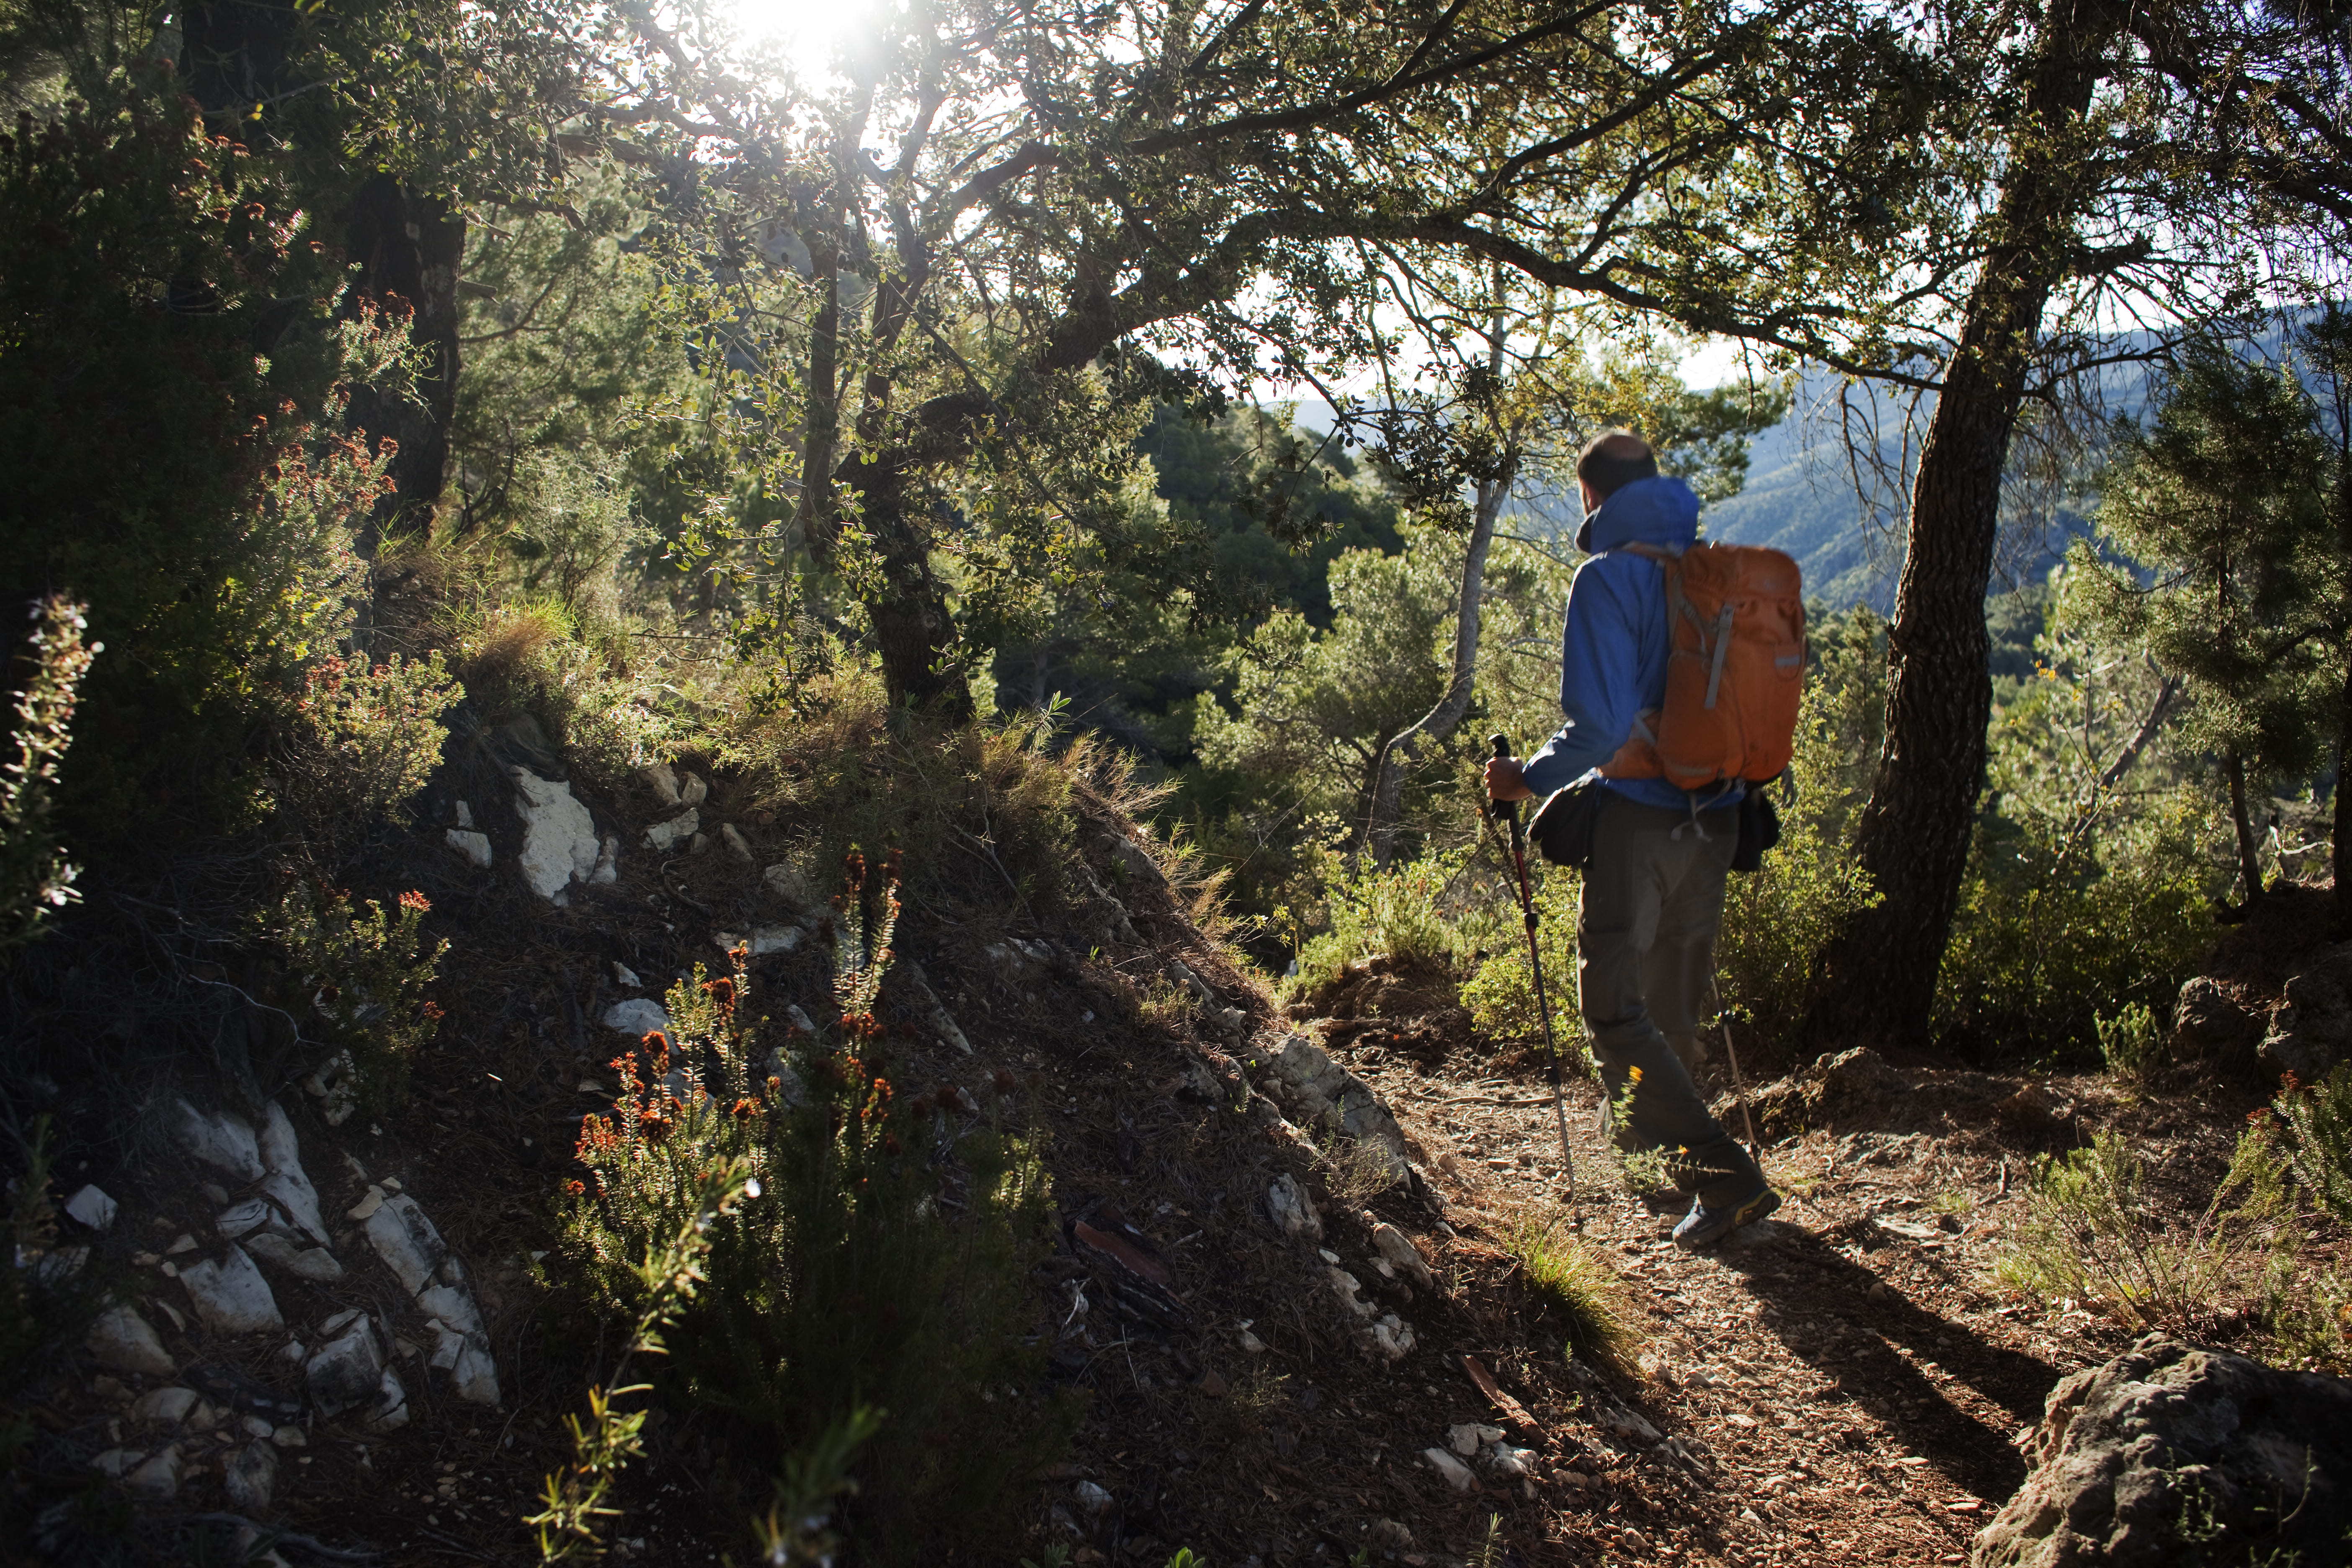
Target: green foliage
[
  {"x": 603, "y": 1444},
  {"x": 1501, "y": 996},
  {"x": 2319, "y": 1116},
  {"x": 881, "y": 1260},
  {"x": 36, "y": 878},
  {"x": 364, "y": 738},
  {"x": 1257, "y": 487},
  {"x": 2220, "y": 557},
  {"x": 2091, "y": 1237},
  {"x": 1406, "y": 911},
  {"x": 178, "y": 276},
  {"x": 2087, "y": 890},
  {"x": 366, "y": 976},
  {"x": 2132, "y": 1043},
  {"x": 1570, "y": 1280}
]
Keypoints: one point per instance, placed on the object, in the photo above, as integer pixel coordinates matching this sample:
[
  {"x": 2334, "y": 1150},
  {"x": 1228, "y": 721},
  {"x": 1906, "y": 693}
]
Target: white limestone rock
[
  {"x": 166, "y": 1406},
  {"x": 1457, "y": 1474},
  {"x": 664, "y": 836},
  {"x": 346, "y": 1370},
  {"x": 158, "y": 1479},
  {"x": 691, "y": 790},
  {"x": 223, "y": 1139},
  {"x": 608, "y": 862},
  {"x": 92, "y": 1207},
  {"x": 1390, "y": 1340},
  {"x": 662, "y": 779},
  {"x": 637, "y": 1017},
  {"x": 230, "y": 1295},
  {"x": 787, "y": 883},
  {"x": 406, "y": 1241},
  {"x": 1398, "y": 1249},
  {"x": 1292, "y": 1210},
  {"x": 251, "y": 1475},
  {"x": 312, "y": 1263},
  {"x": 233, "y": 1221},
  {"x": 124, "y": 1341},
  {"x": 391, "y": 1412},
  {"x": 473, "y": 848},
  {"x": 733, "y": 836},
  {"x": 559, "y": 843}
]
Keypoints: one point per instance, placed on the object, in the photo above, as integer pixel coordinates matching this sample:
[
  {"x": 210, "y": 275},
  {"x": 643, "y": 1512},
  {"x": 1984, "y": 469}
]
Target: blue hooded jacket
[{"x": 1613, "y": 648}]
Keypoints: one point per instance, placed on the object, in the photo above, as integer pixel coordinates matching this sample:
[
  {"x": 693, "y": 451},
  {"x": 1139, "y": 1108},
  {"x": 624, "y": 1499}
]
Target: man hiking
[{"x": 1654, "y": 888}]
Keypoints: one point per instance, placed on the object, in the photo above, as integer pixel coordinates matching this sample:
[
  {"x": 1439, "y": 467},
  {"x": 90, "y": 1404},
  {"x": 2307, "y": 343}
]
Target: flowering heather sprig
[{"x": 36, "y": 878}]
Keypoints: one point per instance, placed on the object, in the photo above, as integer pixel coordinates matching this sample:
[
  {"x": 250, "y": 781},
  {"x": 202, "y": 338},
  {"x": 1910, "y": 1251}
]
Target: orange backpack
[{"x": 1735, "y": 672}]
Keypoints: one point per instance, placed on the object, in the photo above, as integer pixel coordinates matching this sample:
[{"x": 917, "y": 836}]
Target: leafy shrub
[
  {"x": 2319, "y": 1117},
  {"x": 35, "y": 876},
  {"x": 1501, "y": 996},
  {"x": 2091, "y": 1235},
  {"x": 1568, "y": 1279},
  {"x": 181, "y": 482},
  {"x": 2131, "y": 1042},
  {"x": 1401, "y": 912},
  {"x": 882, "y": 1260},
  {"x": 364, "y": 738},
  {"x": 366, "y": 976},
  {"x": 2087, "y": 884}
]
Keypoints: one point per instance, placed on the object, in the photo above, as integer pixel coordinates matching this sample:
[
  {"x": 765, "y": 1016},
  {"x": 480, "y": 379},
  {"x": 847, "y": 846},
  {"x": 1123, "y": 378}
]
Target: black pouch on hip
[
  {"x": 1562, "y": 829},
  {"x": 1759, "y": 829}
]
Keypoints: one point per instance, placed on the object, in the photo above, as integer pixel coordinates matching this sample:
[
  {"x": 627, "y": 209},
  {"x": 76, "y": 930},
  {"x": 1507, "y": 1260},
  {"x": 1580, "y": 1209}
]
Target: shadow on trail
[{"x": 1815, "y": 1299}]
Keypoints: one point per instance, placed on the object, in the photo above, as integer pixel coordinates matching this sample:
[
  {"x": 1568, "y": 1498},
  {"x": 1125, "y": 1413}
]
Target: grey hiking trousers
[{"x": 1644, "y": 962}]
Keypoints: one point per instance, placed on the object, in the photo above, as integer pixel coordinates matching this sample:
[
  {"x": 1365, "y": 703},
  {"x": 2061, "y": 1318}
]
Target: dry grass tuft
[{"x": 1570, "y": 1280}]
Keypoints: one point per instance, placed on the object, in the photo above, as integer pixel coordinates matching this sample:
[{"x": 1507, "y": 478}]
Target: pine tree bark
[
  {"x": 2250, "y": 854},
  {"x": 1915, "y": 834}
]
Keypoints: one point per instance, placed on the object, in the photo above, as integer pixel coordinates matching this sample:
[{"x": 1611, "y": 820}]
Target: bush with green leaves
[
  {"x": 362, "y": 739},
  {"x": 1501, "y": 996},
  {"x": 36, "y": 877},
  {"x": 2131, "y": 1042},
  {"x": 1413, "y": 911},
  {"x": 2091, "y": 1237},
  {"x": 879, "y": 1258},
  {"x": 2089, "y": 884},
  {"x": 366, "y": 978},
  {"x": 2319, "y": 1118}
]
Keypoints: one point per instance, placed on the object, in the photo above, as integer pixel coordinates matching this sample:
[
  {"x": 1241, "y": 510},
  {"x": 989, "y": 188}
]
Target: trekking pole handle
[{"x": 1509, "y": 808}]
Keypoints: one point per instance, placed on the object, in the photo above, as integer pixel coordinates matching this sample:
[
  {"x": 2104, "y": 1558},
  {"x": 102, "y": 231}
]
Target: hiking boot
[{"x": 1704, "y": 1226}]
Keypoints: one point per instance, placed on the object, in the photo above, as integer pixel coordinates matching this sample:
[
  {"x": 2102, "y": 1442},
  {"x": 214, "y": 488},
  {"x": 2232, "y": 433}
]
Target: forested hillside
[{"x": 742, "y": 814}]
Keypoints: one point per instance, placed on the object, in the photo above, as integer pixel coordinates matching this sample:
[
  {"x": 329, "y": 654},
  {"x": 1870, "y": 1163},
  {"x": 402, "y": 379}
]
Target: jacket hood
[{"x": 1662, "y": 510}]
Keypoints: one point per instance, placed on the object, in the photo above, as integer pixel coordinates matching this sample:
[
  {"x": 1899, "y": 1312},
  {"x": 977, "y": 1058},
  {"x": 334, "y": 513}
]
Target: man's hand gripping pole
[{"x": 1509, "y": 811}]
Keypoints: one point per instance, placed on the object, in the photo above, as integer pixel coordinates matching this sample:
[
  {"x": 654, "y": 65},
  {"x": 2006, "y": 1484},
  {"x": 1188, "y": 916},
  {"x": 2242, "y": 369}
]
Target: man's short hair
[{"x": 1613, "y": 459}]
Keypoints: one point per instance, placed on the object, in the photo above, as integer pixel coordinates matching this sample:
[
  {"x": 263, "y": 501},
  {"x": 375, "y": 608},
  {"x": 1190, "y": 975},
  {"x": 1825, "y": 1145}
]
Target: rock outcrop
[
  {"x": 2175, "y": 1455},
  {"x": 2312, "y": 1030}
]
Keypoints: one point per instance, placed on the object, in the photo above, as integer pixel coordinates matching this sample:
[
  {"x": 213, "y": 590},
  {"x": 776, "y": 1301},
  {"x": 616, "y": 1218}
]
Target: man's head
[{"x": 1610, "y": 462}]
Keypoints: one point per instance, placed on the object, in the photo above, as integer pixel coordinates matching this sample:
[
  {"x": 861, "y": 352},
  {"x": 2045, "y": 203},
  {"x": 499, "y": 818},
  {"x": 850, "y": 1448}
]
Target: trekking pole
[
  {"x": 1510, "y": 812},
  {"x": 1738, "y": 1084}
]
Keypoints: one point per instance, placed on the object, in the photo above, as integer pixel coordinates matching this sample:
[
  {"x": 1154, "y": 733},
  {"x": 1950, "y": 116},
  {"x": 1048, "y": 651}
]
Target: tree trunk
[
  {"x": 913, "y": 628},
  {"x": 408, "y": 246},
  {"x": 1915, "y": 834},
  {"x": 2250, "y": 853},
  {"x": 2340, "y": 831},
  {"x": 1388, "y": 786}
]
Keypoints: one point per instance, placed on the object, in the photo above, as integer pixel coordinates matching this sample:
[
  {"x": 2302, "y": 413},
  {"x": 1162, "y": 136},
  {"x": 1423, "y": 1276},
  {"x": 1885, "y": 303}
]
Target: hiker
[{"x": 1654, "y": 884}]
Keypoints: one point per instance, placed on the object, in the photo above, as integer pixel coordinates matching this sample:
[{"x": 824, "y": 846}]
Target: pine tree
[{"x": 2219, "y": 556}]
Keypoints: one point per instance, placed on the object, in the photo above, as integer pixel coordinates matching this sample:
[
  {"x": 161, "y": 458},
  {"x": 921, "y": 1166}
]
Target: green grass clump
[{"x": 1567, "y": 1279}]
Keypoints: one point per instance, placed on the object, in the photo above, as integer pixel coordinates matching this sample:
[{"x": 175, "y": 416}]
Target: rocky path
[{"x": 1856, "y": 1380}]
